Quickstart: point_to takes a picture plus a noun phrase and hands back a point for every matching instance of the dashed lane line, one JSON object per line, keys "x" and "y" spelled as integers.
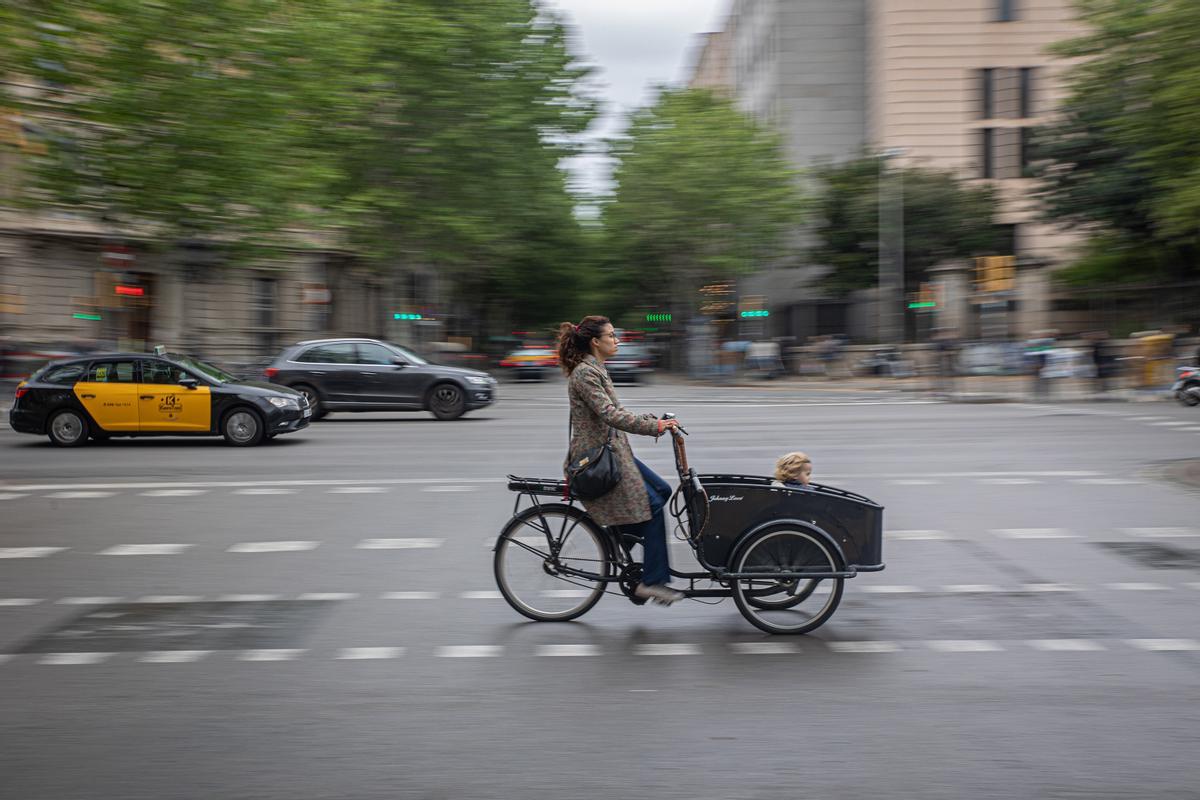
{"x": 173, "y": 493}
{"x": 248, "y": 598}
{"x": 1161, "y": 533}
{"x": 400, "y": 544}
{"x": 357, "y": 490}
{"x": 410, "y": 595}
{"x": 170, "y": 598}
{"x": 145, "y": 550}
{"x": 89, "y": 601}
{"x": 13, "y": 602}
{"x": 1137, "y": 587}
{"x": 328, "y": 596}
{"x": 272, "y": 547}
{"x": 264, "y": 490}
{"x": 760, "y": 648}
{"x": 1034, "y": 533}
{"x": 80, "y": 495}
{"x": 12, "y": 495}
{"x": 29, "y": 552}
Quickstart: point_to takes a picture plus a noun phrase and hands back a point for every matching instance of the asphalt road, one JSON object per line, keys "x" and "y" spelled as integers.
{"x": 317, "y": 618}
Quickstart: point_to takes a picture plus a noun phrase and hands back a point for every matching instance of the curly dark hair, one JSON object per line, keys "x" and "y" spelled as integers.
{"x": 575, "y": 341}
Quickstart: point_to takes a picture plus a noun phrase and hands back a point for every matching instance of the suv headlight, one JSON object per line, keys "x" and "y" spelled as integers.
{"x": 479, "y": 380}
{"x": 284, "y": 402}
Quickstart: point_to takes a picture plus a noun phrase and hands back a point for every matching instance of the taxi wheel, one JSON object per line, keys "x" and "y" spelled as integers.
{"x": 447, "y": 401}
{"x": 242, "y": 427}
{"x": 67, "y": 429}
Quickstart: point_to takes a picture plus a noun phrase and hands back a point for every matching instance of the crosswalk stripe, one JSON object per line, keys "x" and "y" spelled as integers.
{"x": 369, "y": 653}
{"x": 29, "y": 552}
{"x": 553, "y": 650}
{"x": 272, "y": 547}
{"x": 173, "y": 656}
{"x": 145, "y": 549}
{"x": 410, "y": 595}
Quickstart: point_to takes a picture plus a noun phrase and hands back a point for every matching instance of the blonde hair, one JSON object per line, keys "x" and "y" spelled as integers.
{"x": 789, "y": 467}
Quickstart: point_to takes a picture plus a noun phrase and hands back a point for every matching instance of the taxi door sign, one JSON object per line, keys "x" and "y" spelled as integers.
{"x": 166, "y": 408}
{"x": 110, "y": 397}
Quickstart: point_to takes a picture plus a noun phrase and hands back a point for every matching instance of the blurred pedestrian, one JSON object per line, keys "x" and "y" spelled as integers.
{"x": 636, "y": 503}
{"x": 1037, "y": 352}
{"x": 946, "y": 346}
{"x": 1104, "y": 361}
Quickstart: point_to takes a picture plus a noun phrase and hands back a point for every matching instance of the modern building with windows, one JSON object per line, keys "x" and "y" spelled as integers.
{"x": 958, "y": 85}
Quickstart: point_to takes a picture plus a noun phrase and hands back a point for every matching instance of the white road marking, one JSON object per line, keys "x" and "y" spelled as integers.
{"x": 971, "y": 588}
{"x": 269, "y": 655}
{"x": 470, "y": 651}
{"x": 272, "y": 547}
{"x": 963, "y": 646}
{"x": 1008, "y": 481}
{"x": 484, "y": 595}
{"x": 369, "y": 653}
{"x": 247, "y": 598}
{"x": 410, "y": 595}
{"x": 357, "y": 490}
{"x": 448, "y": 489}
{"x": 1066, "y": 645}
{"x": 263, "y": 490}
{"x": 170, "y": 598}
{"x": 1161, "y": 533}
{"x": 1137, "y": 587}
{"x": 173, "y": 492}
{"x": 399, "y": 544}
{"x": 914, "y": 482}
{"x": 1143, "y": 419}
{"x": 173, "y": 656}
{"x": 918, "y": 535}
{"x": 1034, "y": 533}
{"x": 1170, "y": 424}
{"x": 145, "y": 550}
{"x": 126, "y": 486}
{"x": 564, "y": 594}
{"x": 328, "y": 596}
{"x": 12, "y": 496}
{"x": 63, "y": 659}
{"x": 764, "y": 648}
{"x": 864, "y": 647}
{"x": 79, "y": 495}
{"x": 666, "y": 650}
{"x": 1165, "y": 644}
{"x": 1049, "y": 587}
{"x": 1195, "y": 585}
{"x": 10, "y": 602}
{"x": 885, "y": 589}
{"x": 89, "y": 601}
{"x": 552, "y": 650}
{"x": 29, "y": 552}
{"x": 1106, "y": 482}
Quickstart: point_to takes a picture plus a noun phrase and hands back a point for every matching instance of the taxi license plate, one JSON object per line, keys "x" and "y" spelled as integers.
{"x": 308, "y": 412}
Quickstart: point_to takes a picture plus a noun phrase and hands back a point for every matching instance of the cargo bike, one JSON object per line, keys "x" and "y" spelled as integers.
{"x": 782, "y": 552}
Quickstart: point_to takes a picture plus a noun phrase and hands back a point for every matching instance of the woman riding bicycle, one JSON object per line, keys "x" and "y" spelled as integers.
{"x": 636, "y": 503}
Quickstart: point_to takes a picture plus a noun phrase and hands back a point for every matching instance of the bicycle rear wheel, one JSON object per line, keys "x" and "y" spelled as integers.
{"x": 551, "y": 563}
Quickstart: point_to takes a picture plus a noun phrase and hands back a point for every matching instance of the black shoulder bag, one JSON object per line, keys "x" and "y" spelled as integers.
{"x": 596, "y": 472}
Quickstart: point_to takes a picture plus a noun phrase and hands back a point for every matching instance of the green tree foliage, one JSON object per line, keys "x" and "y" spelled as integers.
{"x": 1124, "y": 157}
{"x": 414, "y": 131}
{"x": 944, "y": 218}
{"x": 703, "y": 194}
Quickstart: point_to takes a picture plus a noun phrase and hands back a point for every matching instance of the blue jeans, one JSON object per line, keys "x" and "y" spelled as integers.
{"x": 656, "y": 565}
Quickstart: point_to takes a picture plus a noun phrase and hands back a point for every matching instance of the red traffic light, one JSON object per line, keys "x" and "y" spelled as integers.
{"x": 130, "y": 291}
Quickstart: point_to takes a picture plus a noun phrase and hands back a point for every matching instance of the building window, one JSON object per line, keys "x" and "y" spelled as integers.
{"x": 987, "y": 96}
{"x": 264, "y": 302}
{"x": 1001, "y": 152}
{"x": 1026, "y": 92}
{"x": 1006, "y": 10}
{"x": 1026, "y": 152}
{"x": 986, "y": 168}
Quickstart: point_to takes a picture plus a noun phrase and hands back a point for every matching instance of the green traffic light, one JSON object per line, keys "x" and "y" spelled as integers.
{"x": 91, "y": 317}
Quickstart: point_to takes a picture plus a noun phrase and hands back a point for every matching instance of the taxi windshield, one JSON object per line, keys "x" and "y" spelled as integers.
{"x": 204, "y": 368}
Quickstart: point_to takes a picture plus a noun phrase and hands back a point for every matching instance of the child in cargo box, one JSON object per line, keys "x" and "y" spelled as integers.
{"x": 794, "y": 469}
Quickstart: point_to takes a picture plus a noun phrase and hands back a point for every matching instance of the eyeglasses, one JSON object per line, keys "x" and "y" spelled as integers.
{"x": 612, "y": 336}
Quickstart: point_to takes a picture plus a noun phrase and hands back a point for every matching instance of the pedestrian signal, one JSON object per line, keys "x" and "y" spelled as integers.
{"x": 658, "y": 318}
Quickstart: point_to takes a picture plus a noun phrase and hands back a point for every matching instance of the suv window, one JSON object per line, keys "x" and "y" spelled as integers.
{"x": 65, "y": 375}
{"x": 375, "y": 354}
{"x": 111, "y": 372}
{"x": 328, "y": 354}
{"x": 161, "y": 372}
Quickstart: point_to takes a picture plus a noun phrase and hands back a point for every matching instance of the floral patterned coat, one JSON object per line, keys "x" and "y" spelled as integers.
{"x": 594, "y": 407}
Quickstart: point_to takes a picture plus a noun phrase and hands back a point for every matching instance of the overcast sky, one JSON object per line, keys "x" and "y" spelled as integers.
{"x": 636, "y": 44}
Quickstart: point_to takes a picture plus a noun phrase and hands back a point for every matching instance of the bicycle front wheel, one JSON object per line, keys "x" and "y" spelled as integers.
{"x": 551, "y": 563}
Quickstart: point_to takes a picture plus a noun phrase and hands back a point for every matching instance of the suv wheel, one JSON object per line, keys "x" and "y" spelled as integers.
{"x": 447, "y": 401}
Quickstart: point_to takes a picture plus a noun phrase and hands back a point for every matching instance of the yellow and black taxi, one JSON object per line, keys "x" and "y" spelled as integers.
{"x": 136, "y": 394}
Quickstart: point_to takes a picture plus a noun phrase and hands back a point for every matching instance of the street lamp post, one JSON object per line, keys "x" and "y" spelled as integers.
{"x": 891, "y": 255}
